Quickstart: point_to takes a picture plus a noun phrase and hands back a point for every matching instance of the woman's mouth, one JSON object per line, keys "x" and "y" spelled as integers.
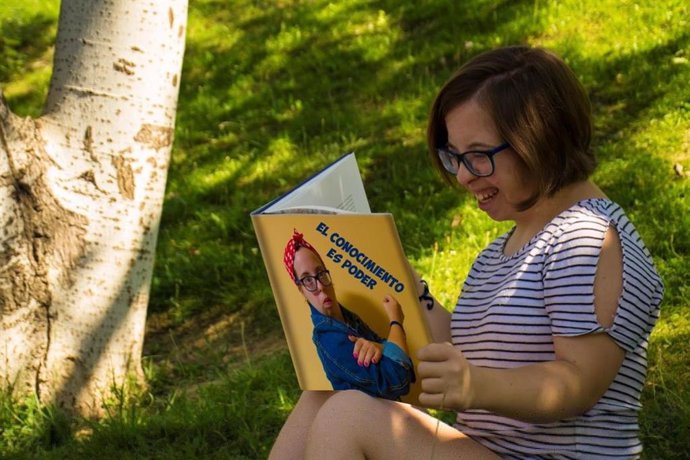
{"x": 485, "y": 196}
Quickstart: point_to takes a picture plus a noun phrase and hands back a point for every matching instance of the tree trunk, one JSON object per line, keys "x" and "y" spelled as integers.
{"x": 81, "y": 192}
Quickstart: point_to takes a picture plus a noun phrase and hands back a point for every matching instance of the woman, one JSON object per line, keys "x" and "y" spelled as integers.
{"x": 549, "y": 334}
{"x": 353, "y": 356}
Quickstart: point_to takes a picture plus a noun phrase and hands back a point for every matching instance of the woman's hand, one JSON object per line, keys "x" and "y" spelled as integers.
{"x": 393, "y": 309}
{"x": 366, "y": 351}
{"x": 446, "y": 377}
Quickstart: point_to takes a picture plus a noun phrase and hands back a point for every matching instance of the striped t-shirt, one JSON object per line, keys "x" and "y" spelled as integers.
{"x": 510, "y": 307}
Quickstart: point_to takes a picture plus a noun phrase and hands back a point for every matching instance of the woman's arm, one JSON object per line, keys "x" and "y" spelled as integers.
{"x": 543, "y": 392}
{"x": 396, "y": 331}
{"x": 389, "y": 378}
{"x": 437, "y": 316}
{"x": 584, "y": 368}
{"x": 368, "y": 351}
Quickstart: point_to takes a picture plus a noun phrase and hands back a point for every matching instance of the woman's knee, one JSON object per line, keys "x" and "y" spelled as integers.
{"x": 346, "y": 401}
{"x": 354, "y": 422}
{"x": 341, "y": 409}
{"x": 314, "y": 399}
{"x": 338, "y": 425}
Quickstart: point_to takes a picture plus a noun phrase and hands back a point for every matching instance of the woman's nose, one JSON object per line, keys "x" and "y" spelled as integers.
{"x": 463, "y": 176}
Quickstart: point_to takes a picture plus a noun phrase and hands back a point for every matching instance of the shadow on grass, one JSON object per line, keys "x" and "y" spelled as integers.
{"x": 300, "y": 105}
{"x": 236, "y": 416}
{"x": 330, "y": 89}
{"x": 320, "y": 93}
{"x": 665, "y": 420}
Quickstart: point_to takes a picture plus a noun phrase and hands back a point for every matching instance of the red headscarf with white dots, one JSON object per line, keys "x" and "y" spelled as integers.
{"x": 297, "y": 241}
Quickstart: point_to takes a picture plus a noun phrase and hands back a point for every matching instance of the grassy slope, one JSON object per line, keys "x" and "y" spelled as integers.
{"x": 273, "y": 90}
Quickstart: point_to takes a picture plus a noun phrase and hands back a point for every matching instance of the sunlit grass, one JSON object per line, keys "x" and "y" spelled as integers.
{"x": 610, "y": 28}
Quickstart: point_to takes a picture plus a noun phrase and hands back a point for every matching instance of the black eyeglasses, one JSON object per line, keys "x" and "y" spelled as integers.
{"x": 309, "y": 281}
{"x": 478, "y": 162}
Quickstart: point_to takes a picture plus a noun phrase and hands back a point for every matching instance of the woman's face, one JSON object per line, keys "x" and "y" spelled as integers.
{"x": 323, "y": 298}
{"x": 470, "y": 127}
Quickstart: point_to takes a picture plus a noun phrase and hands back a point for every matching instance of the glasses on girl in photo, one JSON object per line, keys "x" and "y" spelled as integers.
{"x": 478, "y": 162}
{"x": 309, "y": 281}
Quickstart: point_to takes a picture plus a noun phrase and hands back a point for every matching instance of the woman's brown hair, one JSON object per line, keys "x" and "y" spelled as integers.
{"x": 539, "y": 107}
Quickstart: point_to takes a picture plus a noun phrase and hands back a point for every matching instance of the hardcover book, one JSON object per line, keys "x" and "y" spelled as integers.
{"x": 361, "y": 260}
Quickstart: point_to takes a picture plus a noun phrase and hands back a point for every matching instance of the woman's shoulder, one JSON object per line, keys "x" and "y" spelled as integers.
{"x": 583, "y": 220}
{"x": 597, "y": 215}
{"x": 591, "y": 216}
{"x": 584, "y": 225}
{"x": 600, "y": 210}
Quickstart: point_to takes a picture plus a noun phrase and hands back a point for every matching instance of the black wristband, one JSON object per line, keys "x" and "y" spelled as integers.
{"x": 393, "y": 323}
{"x": 425, "y": 296}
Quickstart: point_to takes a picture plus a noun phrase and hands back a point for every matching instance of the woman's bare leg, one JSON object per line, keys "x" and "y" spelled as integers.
{"x": 352, "y": 425}
{"x": 291, "y": 440}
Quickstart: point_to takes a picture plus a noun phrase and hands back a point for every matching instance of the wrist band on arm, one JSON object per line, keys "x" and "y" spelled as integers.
{"x": 393, "y": 323}
{"x": 425, "y": 297}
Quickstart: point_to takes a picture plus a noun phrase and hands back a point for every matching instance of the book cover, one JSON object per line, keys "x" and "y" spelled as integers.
{"x": 365, "y": 261}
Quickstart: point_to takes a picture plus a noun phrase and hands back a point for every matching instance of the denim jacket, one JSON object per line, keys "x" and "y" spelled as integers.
{"x": 390, "y": 378}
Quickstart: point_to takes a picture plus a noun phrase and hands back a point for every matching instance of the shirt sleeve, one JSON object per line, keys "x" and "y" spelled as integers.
{"x": 569, "y": 271}
{"x": 569, "y": 274}
{"x": 643, "y": 289}
{"x": 390, "y": 378}
{"x": 396, "y": 354}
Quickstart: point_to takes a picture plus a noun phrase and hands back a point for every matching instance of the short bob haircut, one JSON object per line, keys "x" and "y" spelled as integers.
{"x": 539, "y": 108}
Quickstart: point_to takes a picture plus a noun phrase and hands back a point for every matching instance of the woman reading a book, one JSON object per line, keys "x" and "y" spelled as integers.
{"x": 544, "y": 354}
{"x": 352, "y": 354}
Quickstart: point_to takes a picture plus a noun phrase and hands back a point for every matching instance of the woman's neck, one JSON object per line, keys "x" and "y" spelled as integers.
{"x": 534, "y": 219}
{"x": 335, "y": 312}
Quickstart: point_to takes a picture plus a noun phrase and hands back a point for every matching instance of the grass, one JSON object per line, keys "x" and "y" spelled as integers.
{"x": 272, "y": 91}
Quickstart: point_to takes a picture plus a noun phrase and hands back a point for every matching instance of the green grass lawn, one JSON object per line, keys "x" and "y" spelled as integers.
{"x": 273, "y": 90}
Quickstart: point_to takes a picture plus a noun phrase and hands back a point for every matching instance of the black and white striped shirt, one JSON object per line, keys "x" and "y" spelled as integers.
{"x": 511, "y": 307}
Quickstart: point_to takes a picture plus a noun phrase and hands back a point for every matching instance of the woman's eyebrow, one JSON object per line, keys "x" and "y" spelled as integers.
{"x": 317, "y": 270}
{"x": 474, "y": 146}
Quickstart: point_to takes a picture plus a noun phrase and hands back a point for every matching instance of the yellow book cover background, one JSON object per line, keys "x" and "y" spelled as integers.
{"x": 366, "y": 261}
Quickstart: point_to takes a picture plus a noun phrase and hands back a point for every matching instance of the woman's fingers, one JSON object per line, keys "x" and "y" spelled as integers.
{"x": 436, "y": 352}
{"x": 365, "y": 351}
{"x": 435, "y": 400}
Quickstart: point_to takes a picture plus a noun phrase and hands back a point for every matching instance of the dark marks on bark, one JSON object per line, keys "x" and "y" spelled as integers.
{"x": 124, "y": 66}
{"x": 154, "y": 136}
{"x": 88, "y": 142}
{"x": 44, "y": 245}
{"x": 125, "y": 176}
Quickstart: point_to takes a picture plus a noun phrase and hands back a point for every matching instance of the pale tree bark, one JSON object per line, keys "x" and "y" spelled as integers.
{"x": 81, "y": 192}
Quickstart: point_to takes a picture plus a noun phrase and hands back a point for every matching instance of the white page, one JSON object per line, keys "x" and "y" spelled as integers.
{"x": 337, "y": 186}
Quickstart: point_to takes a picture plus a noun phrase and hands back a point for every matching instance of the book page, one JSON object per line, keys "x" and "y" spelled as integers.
{"x": 338, "y": 186}
{"x": 313, "y": 209}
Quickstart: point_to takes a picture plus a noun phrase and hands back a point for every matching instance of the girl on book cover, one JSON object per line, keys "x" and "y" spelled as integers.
{"x": 545, "y": 353}
{"x": 352, "y": 354}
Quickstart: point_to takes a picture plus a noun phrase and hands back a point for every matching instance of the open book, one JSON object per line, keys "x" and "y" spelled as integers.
{"x": 363, "y": 255}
